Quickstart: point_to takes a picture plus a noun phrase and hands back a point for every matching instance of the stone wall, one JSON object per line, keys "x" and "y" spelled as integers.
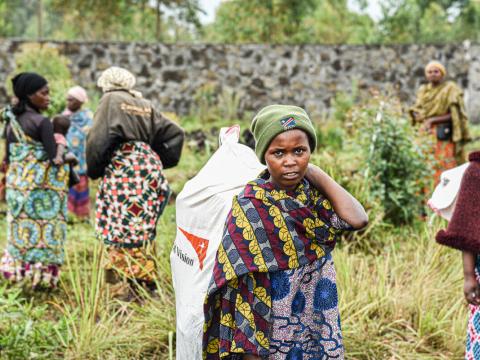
{"x": 305, "y": 75}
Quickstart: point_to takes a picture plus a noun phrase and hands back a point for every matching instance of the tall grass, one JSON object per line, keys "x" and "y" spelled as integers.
{"x": 403, "y": 303}
{"x": 400, "y": 293}
{"x": 406, "y": 302}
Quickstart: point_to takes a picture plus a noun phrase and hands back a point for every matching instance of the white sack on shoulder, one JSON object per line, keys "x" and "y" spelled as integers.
{"x": 201, "y": 208}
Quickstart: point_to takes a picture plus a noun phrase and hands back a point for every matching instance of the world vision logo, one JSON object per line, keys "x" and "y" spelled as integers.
{"x": 200, "y": 245}
{"x": 288, "y": 123}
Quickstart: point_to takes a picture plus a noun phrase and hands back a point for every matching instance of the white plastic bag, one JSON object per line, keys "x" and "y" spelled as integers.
{"x": 444, "y": 197}
{"x": 202, "y": 207}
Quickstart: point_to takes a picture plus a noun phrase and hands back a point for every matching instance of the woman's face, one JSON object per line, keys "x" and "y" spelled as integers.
{"x": 73, "y": 104}
{"x": 434, "y": 75}
{"x": 41, "y": 99}
{"x": 287, "y": 158}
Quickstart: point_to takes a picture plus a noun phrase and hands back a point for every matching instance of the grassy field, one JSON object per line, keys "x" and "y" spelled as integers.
{"x": 401, "y": 299}
{"x": 403, "y": 303}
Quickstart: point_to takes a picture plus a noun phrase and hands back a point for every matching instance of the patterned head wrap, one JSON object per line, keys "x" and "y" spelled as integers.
{"x": 117, "y": 78}
{"x": 436, "y": 64}
{"x": 78, "y": 93}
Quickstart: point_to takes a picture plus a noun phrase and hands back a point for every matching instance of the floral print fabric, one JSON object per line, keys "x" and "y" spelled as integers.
{"x": 445, "y": 155}
{"x": 78, "y": 197}
{"x": 131, "y": 198}
{"x": 305, "y": 317}
{"x": 37, "y": 207}
{"x": 472, "y": 350}
{"x": 80, "y": 124}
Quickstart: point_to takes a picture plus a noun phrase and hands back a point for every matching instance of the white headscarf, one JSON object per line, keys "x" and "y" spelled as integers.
{"x": 117, "y": 78}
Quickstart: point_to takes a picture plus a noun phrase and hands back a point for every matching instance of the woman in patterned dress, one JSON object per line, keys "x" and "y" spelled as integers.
{"x": 273, "y": 293}
{"x": 439, "y": 109}
{"x": 36, "y": 188}
{"x": 80, "y": 124}
{"x": 128, "y": 146}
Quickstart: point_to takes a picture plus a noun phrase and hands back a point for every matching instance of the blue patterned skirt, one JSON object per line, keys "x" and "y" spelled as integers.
{"x": 306, "y": 321}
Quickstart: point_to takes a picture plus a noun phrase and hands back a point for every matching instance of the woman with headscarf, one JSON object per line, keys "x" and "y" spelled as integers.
{"x": 80, "y": 124}
{"x": 129, "y": 145}
{"x": 36, "y": 189}
{"x": 273, "y": 293}
{"x": 439, "y": 109}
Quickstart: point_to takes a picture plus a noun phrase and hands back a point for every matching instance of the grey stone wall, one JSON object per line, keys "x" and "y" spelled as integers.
{"x": 305, "y": 75}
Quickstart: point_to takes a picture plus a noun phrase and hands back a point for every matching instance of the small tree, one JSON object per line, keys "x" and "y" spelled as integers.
{"x": 396, "y": 163}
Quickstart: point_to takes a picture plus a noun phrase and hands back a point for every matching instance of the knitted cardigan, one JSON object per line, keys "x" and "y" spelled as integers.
{"x": 463, "y": 231}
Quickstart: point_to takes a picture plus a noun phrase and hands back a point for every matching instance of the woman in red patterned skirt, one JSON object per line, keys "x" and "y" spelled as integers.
{"x": 129, "y": 145}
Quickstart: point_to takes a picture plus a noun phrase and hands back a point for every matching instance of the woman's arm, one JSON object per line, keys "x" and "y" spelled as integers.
{"x": 471, "y": 288}
{"x": 167, "y": 139}
{"x": 58, "y": 160}
{"x": 435, "y": 120}
{"x": 100, "y": 142}
{"x": 344, "y": 204}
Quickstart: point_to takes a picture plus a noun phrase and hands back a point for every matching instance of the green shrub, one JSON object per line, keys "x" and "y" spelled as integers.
{"x": 396, "y": 162}
{"x": 48, "y": 62}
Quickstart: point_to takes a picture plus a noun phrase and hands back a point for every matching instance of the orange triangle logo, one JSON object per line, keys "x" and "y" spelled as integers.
{"x": 199, "y": 244}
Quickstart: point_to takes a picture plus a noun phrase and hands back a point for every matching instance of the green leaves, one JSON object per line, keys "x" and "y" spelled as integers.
{"x": 245, "y": 21}
{"x": 396, "y": 162}
{"x": 140, "y": 20}
{"x": 26, "y": 330}
{"x": 333, "y": 22}
{"x": 287, "y": 21}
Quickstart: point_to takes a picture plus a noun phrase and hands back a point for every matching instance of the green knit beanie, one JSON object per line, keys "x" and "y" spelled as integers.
{"x": 275, "y": 119}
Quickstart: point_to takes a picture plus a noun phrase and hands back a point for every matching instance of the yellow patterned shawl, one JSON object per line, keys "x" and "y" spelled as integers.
{"x": 267, "y": 230}
{"x": 440, "y": 100}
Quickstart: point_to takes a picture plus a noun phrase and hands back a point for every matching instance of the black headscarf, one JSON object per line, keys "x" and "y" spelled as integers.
{"x": 24, "y": 85}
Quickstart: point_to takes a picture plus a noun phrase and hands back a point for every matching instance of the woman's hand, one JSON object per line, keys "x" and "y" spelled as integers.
{"x": 58, "y": 161}
{"x": 427, "y": 126}
{"x": 417, "y": 116}
{"x": 471, "y": 290}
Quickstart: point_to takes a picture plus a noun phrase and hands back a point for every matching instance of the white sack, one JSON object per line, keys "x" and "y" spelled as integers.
{"x": 202, "y": 207}
{"x": 445, "y": 195}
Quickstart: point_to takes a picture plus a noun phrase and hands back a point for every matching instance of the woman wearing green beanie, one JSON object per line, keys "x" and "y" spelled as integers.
{"x": 273, "y": 294}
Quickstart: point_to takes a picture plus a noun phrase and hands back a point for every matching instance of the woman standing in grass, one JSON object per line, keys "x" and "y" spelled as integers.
{"x": 439, "y": 109}
{"x": 273, "y": 293}
{"x": 36, "y": 188}
{"x": 128, "y": 146}
{"x": 81, "y": 122}
{"x": 463, "y": 233}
